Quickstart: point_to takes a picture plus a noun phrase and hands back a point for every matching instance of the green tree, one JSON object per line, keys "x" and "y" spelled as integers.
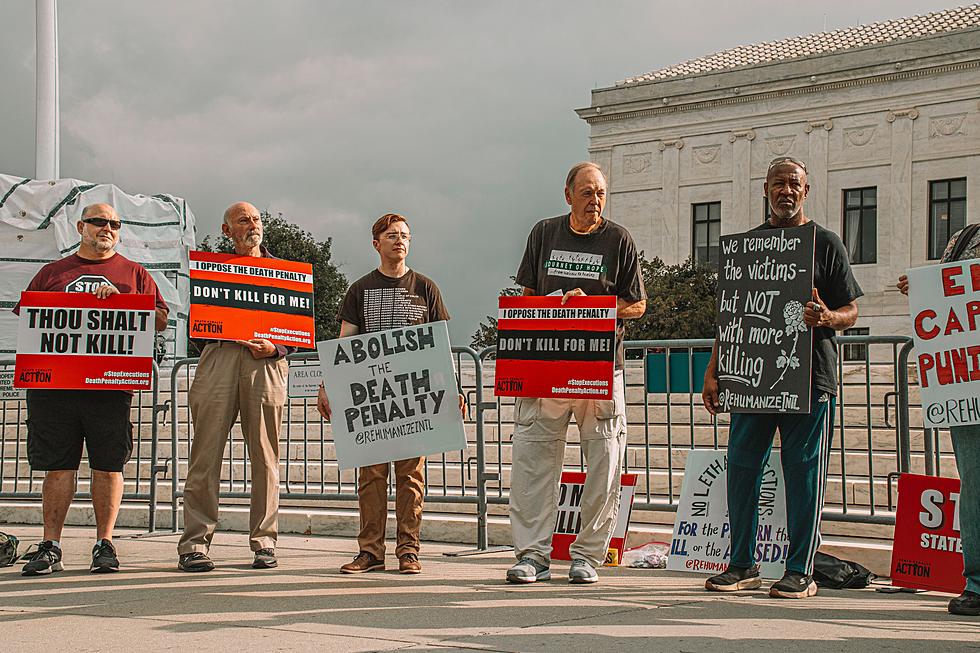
{"x": 486, "y": 334}
{"x": 288, "y": 241}
{"x": 680, "y": 301}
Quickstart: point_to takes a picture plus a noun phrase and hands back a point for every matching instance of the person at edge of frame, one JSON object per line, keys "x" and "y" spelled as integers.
{"x": 391, "y": 296}
{"x": 235, "y": 378}
{"x": 966, "y": 448}
{"x": 805, "y": 438}
{"x": 60, "y": 421}
{"x": 541, "y": 424}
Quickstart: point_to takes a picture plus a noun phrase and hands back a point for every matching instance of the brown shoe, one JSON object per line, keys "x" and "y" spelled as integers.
{"x": 409, "y": 564}
{"x": 362, "y": 562}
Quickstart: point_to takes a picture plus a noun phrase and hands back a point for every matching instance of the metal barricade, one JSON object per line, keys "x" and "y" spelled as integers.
{"x": 308, "y": 464}
{"x": 20, "y": 483}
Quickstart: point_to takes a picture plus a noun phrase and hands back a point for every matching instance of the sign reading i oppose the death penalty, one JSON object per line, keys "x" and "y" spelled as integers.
{"x": 545, "y": 349}
{"x": 765, "y": 278}
{"x": 569, "y": 521}
{"x": 244, "y": 297}
{"x": 76, "y": 341}
{"x": 393, "y": 395}
{"x": 702, "y": 534}
{"x": 927, "y": 552}
{"x": 944, "y": 302}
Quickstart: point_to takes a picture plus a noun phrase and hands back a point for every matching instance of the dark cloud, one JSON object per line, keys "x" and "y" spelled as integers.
{"x": 458, "y": 115}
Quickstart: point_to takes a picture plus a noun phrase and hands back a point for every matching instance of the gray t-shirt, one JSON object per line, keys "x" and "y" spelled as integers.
{"x": 604, "y": 262}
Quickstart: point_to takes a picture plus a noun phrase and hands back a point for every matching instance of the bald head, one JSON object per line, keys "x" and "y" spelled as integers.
{"x": 100, "y": 210}
{"x": 239, "y": 207}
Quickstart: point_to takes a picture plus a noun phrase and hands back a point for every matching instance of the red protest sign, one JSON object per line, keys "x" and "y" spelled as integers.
{"x": 244, "y": 297}
{"x": 545, "y": 349}
{"x": 569, "y": 521}
{"x": 76, "y": 341}
{"x": 927, "y": 553}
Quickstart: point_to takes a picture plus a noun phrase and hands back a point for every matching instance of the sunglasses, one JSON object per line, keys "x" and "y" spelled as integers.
{"x": 787, "y": 159}
{"x": 115, "y": 225}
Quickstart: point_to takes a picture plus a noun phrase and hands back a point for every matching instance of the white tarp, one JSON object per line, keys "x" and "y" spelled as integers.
{"x": 37, "y": 226}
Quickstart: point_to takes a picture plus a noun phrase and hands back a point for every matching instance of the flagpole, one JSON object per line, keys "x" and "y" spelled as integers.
{"x": 47, "y": 158}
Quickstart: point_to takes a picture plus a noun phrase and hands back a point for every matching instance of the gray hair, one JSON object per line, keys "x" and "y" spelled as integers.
{"x": 579, "y": 167}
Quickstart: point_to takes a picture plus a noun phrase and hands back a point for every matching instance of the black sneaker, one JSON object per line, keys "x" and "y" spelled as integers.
{"x": 265, "y": 559}
{"x": 966, "y": 604}
{"x": 43, "y": 561}
{"x": 734, "y": 579}
{"x": 104, "y": 560}
{"x": 195, "y": 561}
{"x": 793, "y": 585}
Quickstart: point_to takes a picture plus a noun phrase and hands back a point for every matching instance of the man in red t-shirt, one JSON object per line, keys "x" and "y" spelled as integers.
{"x": 60, "y": 421}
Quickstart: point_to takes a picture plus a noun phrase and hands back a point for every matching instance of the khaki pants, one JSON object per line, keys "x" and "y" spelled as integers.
{"x": 538, "y": 450}
{"x": 372, "y": 498}
{"x": 229, "y": 382}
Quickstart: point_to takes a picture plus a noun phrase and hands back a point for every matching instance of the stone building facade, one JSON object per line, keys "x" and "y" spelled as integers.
{"x": 886, "y": 116}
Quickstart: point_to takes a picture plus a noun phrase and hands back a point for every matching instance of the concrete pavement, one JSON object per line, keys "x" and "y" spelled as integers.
{"x": 457, "y": 604}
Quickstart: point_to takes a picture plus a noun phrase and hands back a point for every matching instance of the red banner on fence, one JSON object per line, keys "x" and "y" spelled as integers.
{"x": 76, "y": 341}
{"x": 545, "y": 349}
{"x": 569, "y": 522}
{"x": 927, "y": 553}
{"x": 244, "y": 297}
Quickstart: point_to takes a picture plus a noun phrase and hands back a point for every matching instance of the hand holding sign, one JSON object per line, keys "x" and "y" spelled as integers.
{"x": 816, "y": 312}
{"x": 105, "y": 290}
{"x": 574, "y": 292}
{"x": 259, "y": 347}
{"x": 709, "y": 394}
{"x": 903, "y": 284}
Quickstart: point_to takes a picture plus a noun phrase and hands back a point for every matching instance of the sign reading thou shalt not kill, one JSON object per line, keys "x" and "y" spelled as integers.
{"x": 765, "y": 278}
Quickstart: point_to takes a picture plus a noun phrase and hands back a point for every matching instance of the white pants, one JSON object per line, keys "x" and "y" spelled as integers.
{"x": 541, "y": 426}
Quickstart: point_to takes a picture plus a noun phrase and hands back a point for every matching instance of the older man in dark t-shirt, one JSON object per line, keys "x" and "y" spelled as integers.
{"x": 804, "y": 438}
{"x": 579, "y": 253}
{"x": 389, "y": 297}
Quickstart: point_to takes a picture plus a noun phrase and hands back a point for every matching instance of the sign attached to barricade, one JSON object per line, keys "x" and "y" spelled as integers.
{"x": 244, "y": 297}
{"x": 702, "y": 535}
{"x": 75, "y": 341}
{"x": 545, "y": 349}
{"x": 944, "y": 302}
{"x": 7, "y": 390}
{"x": 927, "y": 552}
{"x": 765, "y": 278}
{"x": 569, "y": 522}
{"x": 304, "y": 381}
{"x": 393, "y": 395}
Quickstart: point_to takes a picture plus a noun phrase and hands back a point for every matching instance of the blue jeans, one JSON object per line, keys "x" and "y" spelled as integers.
{"x": 966, "y": 445}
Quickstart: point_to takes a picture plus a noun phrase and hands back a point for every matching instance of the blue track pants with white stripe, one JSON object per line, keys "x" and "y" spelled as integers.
{"x": 804, "y": 453}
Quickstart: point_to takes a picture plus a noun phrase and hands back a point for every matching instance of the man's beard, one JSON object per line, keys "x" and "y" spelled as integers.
{"x": 253, "y": 239}
{"x": 99, "y": 245}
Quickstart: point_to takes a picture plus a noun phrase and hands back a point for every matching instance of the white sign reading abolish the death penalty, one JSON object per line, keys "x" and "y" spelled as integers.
{"x": 944, "y": 302}
{"x": 393, "y": 395}
{"x": 71, "y": 341}
{"x": 702, "y": 534}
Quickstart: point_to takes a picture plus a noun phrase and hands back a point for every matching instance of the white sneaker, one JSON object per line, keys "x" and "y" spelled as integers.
{"x": 528, "y": 570}
{"x": 582, "y": 572}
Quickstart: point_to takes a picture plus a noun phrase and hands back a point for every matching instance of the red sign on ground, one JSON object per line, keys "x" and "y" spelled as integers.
{"x": 244, "y": 297}
{"x": 545, "y": 349}
{"x": 569, "y": 522}
{"x": 76, "y": 341}
{"x": 927, "y": 553}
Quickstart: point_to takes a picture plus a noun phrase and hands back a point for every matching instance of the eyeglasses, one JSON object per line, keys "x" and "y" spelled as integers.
{"x": 115, "y": 225}
{"x": 394, "y": 238}
{"x": 787, "y": 159}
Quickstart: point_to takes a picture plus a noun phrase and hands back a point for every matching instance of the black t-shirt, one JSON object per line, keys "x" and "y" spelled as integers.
{"x": 833, "y": 279}
{"x": 603, "y": 262}
{"x": 376, "y": 302}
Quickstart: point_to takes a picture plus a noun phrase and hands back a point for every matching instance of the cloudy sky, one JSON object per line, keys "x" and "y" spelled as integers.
{"x": 459, "y": 115}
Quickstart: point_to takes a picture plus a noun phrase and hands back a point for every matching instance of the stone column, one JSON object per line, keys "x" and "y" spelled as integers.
{"x": 816, "y": 172}
{"x": 895, "y": 230}
{"x": 741, "y": 218}
{"x": 670, "y": 215}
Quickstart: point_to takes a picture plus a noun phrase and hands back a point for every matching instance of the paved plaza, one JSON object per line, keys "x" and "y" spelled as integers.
{"x": 457, "y": 604}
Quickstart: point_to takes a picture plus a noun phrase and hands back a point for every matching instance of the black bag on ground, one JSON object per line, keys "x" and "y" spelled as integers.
{"x": 8, "y": 550}
{"x": 836, "y": 574}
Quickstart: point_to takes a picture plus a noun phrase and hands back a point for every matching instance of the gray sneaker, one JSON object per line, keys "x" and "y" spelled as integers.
{"x": 528, "y": 570}
{"x": 582, "y": 572}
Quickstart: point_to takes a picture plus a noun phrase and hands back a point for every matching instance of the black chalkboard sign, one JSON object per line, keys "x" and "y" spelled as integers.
{"x": 765, "y": 278}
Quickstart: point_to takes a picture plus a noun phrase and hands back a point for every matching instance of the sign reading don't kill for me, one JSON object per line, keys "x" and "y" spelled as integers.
{"x": 393, "y": 395}
{"x": 765, "y": 278}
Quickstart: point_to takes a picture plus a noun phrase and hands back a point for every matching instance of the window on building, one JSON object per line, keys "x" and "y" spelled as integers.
{"x": 855, "y": 352}
{"x": 947, "y": 213}
{"x": 707, "y": 230}
{"x": 861, "y": 224}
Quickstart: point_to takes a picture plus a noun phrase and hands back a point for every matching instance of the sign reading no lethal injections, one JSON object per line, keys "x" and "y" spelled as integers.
{"x": 393, "y": 395}
{"x": 765, "y": 278}
{"x": 244, "y": 297}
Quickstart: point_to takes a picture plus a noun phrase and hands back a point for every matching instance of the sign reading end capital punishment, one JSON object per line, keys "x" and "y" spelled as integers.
{"x": 765, "y": 278}
{"x": 944, "y": 301}
{"x": 393, "y": 395}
